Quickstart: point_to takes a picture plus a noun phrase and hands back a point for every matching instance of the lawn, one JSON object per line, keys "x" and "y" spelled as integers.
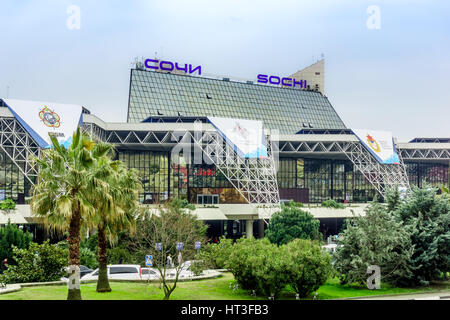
{"x": 212, "y": 289}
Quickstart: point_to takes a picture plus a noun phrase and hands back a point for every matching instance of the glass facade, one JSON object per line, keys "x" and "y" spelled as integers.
{"x": 435, "y": 175}
{"x": 154, "y": 172}
{"x": 301, "y": 179}
{"x": 323, "y": 180}
{"x": 287, "y": 110}
{"x": 13, "y": 184}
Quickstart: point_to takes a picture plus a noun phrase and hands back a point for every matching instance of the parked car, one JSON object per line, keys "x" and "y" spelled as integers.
{"x": 119, "y": 271}
{"x": 83, "y": 271}
{"x": 150, "y": 273}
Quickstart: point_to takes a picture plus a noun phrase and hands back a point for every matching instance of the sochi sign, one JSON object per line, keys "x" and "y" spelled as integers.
{"x": 170, "y": 66}
{"x": 288, "y": 82}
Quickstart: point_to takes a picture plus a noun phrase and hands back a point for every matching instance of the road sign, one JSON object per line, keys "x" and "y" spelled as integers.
{"x": 179, "y": 246}
{"x": 149, "y": 260}
{"x": 158, "y": 246}
{"x": 198, "y": 245}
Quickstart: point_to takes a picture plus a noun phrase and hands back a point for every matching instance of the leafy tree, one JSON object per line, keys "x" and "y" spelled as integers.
{"x": 114, "y": 194}
{"x": 393, "y": 199}
{"x": 60, "y": 196}
{"x": 374, "y": 239}
{"x": 168, "y": 225}
{"x": 215, "y": 255}
{"x": 292, "y": 223}
{"x": 308, "y": 266}
{"x": 427, "y": 218}
{"x": 39, "y": 263}
{"x": 10, "y": 236}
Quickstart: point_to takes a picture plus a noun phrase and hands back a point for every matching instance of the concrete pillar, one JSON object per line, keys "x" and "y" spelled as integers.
{"x": 261, "y": 228}
{"x": 249, "y": 228}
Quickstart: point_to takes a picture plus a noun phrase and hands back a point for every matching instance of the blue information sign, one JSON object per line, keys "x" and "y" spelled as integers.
{"x": 149, "y": 260}
{"x": 179, "y": 246}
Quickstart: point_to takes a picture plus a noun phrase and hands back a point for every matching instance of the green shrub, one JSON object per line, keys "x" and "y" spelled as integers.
{"x": 91, "y": 243}
{"x": 120, "y": 255}
{"x": 88, "y": 258}
{"x": 292, "y": 203}
{"x": 292, "y": 223}
{"x": 239, "y": 263}
{"x": 39, "y": 263}
{"x": 10, "y": 236}
{"x": 259, "y": 265}
{"x": 197, "y": 267}
{"x": 332, "y": 204}
{"x": 308, "y": 266}
{"x": 8, "y": 204}
{"x": 269, "y": 268}
{"x": 374, "y": 239}
{"x": 214, "y": 255}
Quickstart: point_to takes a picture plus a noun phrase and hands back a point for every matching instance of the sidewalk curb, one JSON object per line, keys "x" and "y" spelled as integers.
{"x": 394, "y": 295}
{"x": 18, "y": 286}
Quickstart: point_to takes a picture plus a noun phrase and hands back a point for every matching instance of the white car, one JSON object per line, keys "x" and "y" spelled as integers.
{"x": 150, "y": 273}
{"x": 119, "y": 272}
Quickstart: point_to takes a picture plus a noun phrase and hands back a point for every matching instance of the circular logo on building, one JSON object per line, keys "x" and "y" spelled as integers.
{"x": 373, "y": 143}
{"x": 49, "y": 117}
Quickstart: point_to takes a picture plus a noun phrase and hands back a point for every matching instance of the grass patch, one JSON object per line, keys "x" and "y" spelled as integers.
{"x": 333, "y": 290}
{"x": 209, "y": 289}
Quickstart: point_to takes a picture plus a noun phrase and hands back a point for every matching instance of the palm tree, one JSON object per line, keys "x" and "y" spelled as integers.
{"x": 60, "y": 195}
{"x": 114, "y": 194}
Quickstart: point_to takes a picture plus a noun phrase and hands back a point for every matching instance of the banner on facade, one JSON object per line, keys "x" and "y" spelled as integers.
{"x": 245, "y": 136}
{"x": 43, "y": 118}
{"x": 380, "y": 144}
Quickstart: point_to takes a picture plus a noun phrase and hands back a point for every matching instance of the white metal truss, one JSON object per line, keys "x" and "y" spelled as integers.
{"x": 255, "y": 179}
{"x": 425, "y": 154}
{"x": 150, "y": 137}
{"x": 381, "y": 176}
{"x": 19, "y": 146}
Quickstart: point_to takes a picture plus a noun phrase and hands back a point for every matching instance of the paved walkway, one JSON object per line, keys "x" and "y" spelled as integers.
{"x": 442, "y": 295}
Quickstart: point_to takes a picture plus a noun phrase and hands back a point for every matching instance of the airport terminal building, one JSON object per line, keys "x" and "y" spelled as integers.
{"x": 312, "y": 155}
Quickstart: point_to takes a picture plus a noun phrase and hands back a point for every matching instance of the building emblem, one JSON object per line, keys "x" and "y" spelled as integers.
{"x": 49, "y": 117}
{"x": 373, "y": 143}
{"x": 241, "y": 131}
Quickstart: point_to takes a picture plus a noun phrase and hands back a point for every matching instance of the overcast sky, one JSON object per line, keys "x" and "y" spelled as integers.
{"x": 393, "y": 78}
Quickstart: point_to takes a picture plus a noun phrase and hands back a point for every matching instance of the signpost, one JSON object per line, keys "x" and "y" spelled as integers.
{"x": 149, "y": 260}
{"x": 179, "y": 246}
{"x": 198, "y": 245}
